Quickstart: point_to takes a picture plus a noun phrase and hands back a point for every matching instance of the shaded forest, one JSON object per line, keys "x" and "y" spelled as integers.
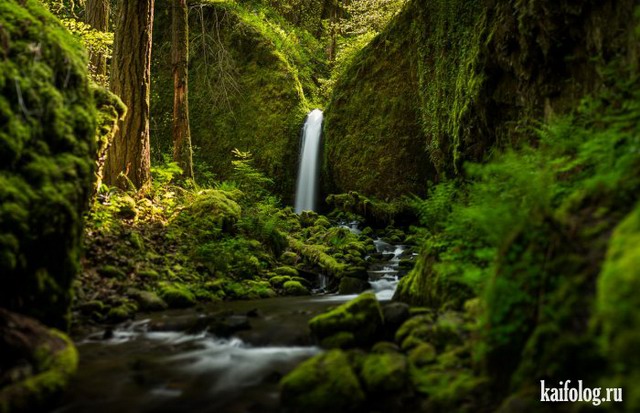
{"x": 319, "y": 205}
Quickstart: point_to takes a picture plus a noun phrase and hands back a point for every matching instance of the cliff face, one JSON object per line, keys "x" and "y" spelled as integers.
{"x": 486, "y": 72}
{"x": 245, "y": 90}
{"x": 47, "y": 155}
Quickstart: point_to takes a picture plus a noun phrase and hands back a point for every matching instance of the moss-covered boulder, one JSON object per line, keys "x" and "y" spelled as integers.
{"x": 244, "y": 89}
{"x": 176, "y": 295}
{"x": 384, "y": 373}
{"x": 618, "y": 308}
{"x": 361, "y": 317}
{"x": 294, "y": 288}
{"x": 47, "y": 153}
{"x": 37, "y": 363}
{"x": 321, "y": 384}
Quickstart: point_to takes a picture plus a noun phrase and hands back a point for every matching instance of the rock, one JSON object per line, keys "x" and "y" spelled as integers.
{"x": 147, "y": 300}
{"x": 358, "y": 272}
{"x": 286, "y": 271}
{"x": 343, "y": 340}
{"x": 349, "y": 285}
{"x": 308, "y": 219}
{"x": 48, "y": 122}
{"x": 294, "y": 288}
{"x": 127, "y": 208}
{"x": 122, "y": 312}
{"x": 227, "y": 326}
{"x": 111, "y": 271}
{"x": 423, "y": 354}
{"x": 176, "y": 295}
{"x": 383, "y": 347}
{"x": 30, "y": 347}
{"x": 394, "y": 315}
{"x": 361, "y": 316}
{"x": 279, "y": 280}
{"x": 324, "y": 383}
{"x": 384, "y": 373}
{"x": 289, "y": 258}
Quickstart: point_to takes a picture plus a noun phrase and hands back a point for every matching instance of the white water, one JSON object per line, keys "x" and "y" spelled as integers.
{"x": 308, "y": 171}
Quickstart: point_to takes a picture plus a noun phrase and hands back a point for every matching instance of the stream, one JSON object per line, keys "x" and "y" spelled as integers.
{"x": 171, "y": 362}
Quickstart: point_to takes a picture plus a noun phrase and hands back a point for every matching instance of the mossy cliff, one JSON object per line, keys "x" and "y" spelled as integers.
{"x": 47, "y": 152}
{"x": 245, "y": 89}
{"x": 448, "y": 81}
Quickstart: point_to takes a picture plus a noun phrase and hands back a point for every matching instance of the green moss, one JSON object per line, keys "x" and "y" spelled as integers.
{"x": 111, "y": 271}
{"x": 176, "y": 295}
{"x": 54, "y": 368}
{"x": 279, "y": 280}
{"x": 286, "y": 271}
{"x": 47, "y": 152}
{"x": 323, "y": 383}
{"x": 294, "y": 288}
{"x": 361, "y": 316}
{"x": 617, "y": 307}
{"x": 384, "y": 373}
{"x": 341, "y": 340}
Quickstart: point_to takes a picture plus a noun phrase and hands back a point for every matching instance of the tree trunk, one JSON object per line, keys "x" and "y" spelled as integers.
{"x": 182, "y": 152}
{"x": 129, "y": 153}
{"x": 97, "y": 14}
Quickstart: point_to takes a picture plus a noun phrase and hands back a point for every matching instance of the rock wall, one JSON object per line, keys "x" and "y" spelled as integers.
{"x": 448, "y": 81}
{"x": 47, "y": 160}
{"x": 243, "y": 93}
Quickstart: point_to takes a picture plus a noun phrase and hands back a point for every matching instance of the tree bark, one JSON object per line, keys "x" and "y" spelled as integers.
{"x": 129, "y": 153}
{"x": 182, "y": 151}
{"x": 97, "y": 15}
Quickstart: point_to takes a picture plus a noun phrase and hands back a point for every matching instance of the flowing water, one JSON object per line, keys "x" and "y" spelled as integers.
{"x": 165, "y": 363}
{"x": 307, "y": 185}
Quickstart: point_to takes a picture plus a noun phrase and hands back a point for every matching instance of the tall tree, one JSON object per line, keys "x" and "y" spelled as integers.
{"x": 97, "y": 16}
{"x": 129, "y": 153}
{"x": 182, "y": 152}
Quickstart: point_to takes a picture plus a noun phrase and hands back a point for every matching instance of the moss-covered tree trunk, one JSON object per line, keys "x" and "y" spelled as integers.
{"x": 98, "y": 17}
{"x": 129, "y": 153}
{"x": 182, "y": 152}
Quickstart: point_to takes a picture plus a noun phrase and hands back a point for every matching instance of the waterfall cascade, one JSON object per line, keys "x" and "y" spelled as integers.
{"x": 306, "y": 189}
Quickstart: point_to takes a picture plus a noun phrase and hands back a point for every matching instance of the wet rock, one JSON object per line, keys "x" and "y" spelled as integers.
{"x": 324, "y": 383}
{"x": 349, "y": 285}
{"x": 361, "y": 316}
{"x": 394, "y": 315}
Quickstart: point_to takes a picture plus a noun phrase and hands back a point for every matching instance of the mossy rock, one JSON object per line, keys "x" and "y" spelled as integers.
{"x": 286, "y": 271}
{"x": 422, "y": 355}
{"x": 47, "y": 159}
{"x": 147, "y": 300}
{"x": 50, "y": 355}
{"x": 289, "y": 258}
{"x": 349, "y": 285}
{"x": 341, "y": 340}
{"x": 176, "y": 295}
{"x": 361, "y": 316}
{"x": 121, "y": 312}
{"x": 384, "y": 373}
{"x": 294, "y": 288}
{"x": 111, "y": 271}
{"x": 279, "y": 280}
{"x": 323, "y": 383}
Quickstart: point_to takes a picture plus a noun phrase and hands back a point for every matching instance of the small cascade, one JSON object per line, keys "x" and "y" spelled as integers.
{"x": 383, "y": 277}
{"x": 307, "y": 185}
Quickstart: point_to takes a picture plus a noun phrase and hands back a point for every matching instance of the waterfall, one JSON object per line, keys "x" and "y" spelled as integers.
{"x": 308, "y": 170}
